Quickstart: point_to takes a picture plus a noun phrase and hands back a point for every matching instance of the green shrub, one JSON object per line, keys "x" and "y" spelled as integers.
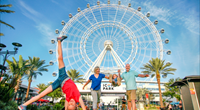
{"x": 8, "y": 106}
{"x": 57, "y": 106}
{"x": 32, "y": 107}
{"x": 62, "y": 102}
{"x": 45, "y": 108}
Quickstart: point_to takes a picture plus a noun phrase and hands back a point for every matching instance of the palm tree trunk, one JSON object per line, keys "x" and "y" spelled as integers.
{"x": 17, "y": 86}
{"x": 29, "y": 85}
{"x": 158, "y": 80}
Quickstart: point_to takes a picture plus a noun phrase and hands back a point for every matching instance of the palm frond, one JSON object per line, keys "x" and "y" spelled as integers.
{"x": 6, "y": 24}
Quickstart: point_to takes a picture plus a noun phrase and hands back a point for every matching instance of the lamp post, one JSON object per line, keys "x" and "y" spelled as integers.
{"x": 6, "y": 53}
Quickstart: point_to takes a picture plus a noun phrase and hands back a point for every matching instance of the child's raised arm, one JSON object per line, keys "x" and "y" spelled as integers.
{"x": 82, "y": 103}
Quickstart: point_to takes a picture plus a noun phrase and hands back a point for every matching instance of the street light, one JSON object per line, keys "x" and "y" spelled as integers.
{"x": 7, "y": 52}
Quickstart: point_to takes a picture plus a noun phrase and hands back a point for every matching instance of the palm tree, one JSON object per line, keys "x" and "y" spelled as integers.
{"x": 35, "y": 68}
{"x": 6, "y": 11}
{"x": 74, "y": 75}
{"x": 42, "y": 87}
{"x": 141, "y": 93}
{"x": 156, "y": 67}
{"x": 172, "y": 91}
{"x": 18, "y": 70}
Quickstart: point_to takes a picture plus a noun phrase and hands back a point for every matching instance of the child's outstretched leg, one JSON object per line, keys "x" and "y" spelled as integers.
{"x": 42, "y": 94}
{"x": 118, "y": 81}
{"x": 60, "y": 55}
{"x": 110, "y": 78}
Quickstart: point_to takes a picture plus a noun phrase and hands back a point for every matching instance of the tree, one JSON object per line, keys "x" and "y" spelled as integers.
{"x": 6, "y": 11}
{"x": 172, "y": 91}
{"x": 35, "y": 68}
{"x": 140, "y": 92}
{"x": 18, "y": 69}
{"x": 74, "y": 75}
{"x": 156, "y": 67}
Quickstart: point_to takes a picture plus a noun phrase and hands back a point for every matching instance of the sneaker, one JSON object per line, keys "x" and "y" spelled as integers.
{"x": 110, "y": 78}
{"x": 22, "y": 107}
{"x": 61, "y": 38}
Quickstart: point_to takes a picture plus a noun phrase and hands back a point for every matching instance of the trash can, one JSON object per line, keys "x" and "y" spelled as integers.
{"x": 190, "y": 92}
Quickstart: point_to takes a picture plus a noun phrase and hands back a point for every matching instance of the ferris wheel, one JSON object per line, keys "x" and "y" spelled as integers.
{"x": 109, "y": 36}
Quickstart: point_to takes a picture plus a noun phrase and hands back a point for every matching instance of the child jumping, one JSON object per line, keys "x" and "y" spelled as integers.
{"x": 114, "y": 80}
{"x": 68, "y": 86}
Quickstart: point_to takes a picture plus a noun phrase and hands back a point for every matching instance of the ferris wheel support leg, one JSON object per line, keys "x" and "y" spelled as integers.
{"x": 101, "y": 56}
{"x": 117, "y": 59}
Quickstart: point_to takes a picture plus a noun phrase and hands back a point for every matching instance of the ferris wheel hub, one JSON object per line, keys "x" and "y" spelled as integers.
{"x": 107, "y": 44}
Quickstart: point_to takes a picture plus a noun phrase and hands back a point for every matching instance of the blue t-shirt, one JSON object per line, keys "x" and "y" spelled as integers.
{"x": 129, "y": 78}
{"x": 96, "y": 82}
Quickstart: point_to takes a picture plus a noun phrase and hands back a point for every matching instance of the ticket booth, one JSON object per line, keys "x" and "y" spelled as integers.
{"x": 190, "y": 92}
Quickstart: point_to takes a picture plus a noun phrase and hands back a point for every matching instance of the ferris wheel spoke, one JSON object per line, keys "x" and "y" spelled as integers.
{"x": 96, "y": 22}
{"x": 103, "y": 22}
{"x": 136, "y": 23}
{"x": 123, "y": 16}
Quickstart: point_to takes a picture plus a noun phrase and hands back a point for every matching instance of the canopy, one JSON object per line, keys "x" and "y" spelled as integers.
{"x": 174, "y": 103}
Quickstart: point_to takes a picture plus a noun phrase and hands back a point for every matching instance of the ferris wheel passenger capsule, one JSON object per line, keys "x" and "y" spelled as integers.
{"x": 119, "y": 2}
{"x": 54, "y": 74}
{"x": 129, "y": 5}
{"x": 57, "y": 31}
{"x": 98, "y": 2}
{"x": 70, "y": 15}
{"x": 166, "y": 41}
{"x": 51, "y": 63}
{"x": 148, "y": 14}
{"x": 139, "y": 9}
{"x": 53, "y": 41}
{"x": 169, "y": 52}
{"x": 88, "y": 5}
{"x": 78, "y": 9}
{"x": 63, "y": 22}
{"x": 156, "y": 22}
{"x": 162, "y": 31}
{"x": 50, "y": 52}
{"x": 108, "y": 1}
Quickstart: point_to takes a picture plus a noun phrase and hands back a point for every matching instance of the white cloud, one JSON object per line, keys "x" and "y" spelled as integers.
{"x": 38, "y": 19}
{"x": 191, "y": 21}
{"x": 160, "y": 13}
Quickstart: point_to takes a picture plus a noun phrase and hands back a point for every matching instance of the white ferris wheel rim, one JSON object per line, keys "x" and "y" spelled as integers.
{"x": 101, "y": 25}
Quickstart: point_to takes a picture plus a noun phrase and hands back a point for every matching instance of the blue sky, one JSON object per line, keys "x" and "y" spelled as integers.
{"x": 35, "y": 22}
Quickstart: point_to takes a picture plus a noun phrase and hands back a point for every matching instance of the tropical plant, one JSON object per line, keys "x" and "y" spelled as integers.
{"x": 36, "y": 67}
{"x": 6, "y": 91}
{"x": 56, "y": 93}
{"x": 172, "y": 91}
{"x": 156, "y": 67}
{"x": 18, "y": 69}
{"x": 74, "y": 75}
{"x": 5, "y": 11}
{"x": 141, "y": 92}
{"x": 42, "y": 87}
{"x": 11, "y": 105}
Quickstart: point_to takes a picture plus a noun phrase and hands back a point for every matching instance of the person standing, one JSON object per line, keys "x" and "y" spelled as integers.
{"x": 96, "y": 79}
{"x": 130, "y": 81}
{"x": 180, "y": 106}
{"x": 123, "y": 104}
